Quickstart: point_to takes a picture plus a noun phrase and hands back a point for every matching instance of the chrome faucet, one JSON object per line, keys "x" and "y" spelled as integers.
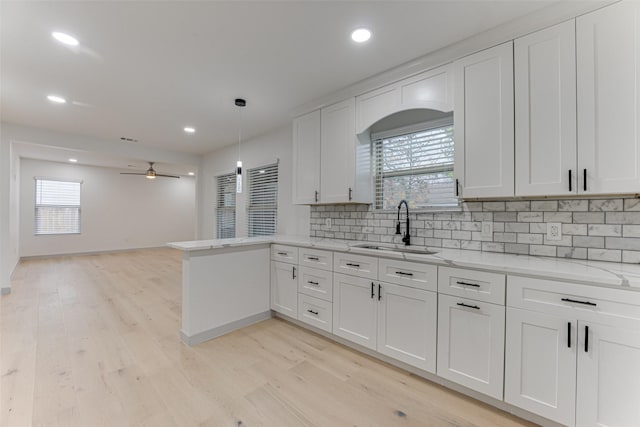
{"x": 406, "y": 239}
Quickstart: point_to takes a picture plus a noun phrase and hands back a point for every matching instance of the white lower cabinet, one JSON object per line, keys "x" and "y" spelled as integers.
{"x": 540, "y": 365}
{"x": 355, "y": 309}
{"x": 397, "y": 321}
{"x": 284, "y": 288}
{"x": 315, "y": 312}
{"x": 573, "y": 352}
{"x": 407, "y": 325}
{"x": 471, "y": 344}
{"x": 608, "y": 392}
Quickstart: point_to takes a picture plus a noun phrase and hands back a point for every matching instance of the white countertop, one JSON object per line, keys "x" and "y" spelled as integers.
{"x": 609, "y": 274}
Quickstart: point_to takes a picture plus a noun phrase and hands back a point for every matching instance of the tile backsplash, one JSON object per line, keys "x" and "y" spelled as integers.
{"x": 595, "y": 229}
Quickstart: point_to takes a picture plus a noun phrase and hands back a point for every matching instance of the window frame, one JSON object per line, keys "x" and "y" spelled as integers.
{"x": 378, "y": 178}
{"x": 37, "y": 206}
{"x": 220, "y": 209}
{"x": 274, "y": 207}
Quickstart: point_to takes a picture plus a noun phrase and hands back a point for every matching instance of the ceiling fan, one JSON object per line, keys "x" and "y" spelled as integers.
{"x": 150, "y": 173}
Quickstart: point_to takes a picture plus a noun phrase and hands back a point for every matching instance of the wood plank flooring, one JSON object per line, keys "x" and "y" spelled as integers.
{"x": 93, "y": 341}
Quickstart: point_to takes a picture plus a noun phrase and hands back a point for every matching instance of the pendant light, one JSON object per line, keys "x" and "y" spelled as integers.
{"x": 239, "y": 103}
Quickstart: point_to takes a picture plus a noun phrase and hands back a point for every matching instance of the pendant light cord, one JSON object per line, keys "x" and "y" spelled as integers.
{"x": 239, "y": 132}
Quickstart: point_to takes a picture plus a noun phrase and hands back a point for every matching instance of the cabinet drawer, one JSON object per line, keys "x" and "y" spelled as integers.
{"x": 356, "y": 265}
{"x": 284, "y": 253}
{"x": 316, "y": 283}
{"x": 315, "y": 312}
{"x": 572, "y": 300}
{"x": 416, "y": 275}
{"x": 316, "y": 258}
{"x": 472, "y": 284}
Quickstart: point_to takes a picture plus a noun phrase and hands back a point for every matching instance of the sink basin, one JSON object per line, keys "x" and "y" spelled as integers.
{"x": 404, "y": 249}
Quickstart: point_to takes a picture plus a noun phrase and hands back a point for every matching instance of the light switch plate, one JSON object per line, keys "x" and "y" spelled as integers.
{"x": 487, "y": 230}
{"x": 554, "y": 231}
{"x": 327, "y": 222}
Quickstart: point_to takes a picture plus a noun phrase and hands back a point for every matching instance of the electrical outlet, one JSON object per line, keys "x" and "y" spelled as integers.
{"x": 487, "y": 230}
{"x": 327, "y": 222}
{"x": 554, "y": 231}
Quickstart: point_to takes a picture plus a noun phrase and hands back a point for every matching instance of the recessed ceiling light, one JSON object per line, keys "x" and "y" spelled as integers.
{"x": 65, "y": 38}
{"x": 191, "y": 174}
{"x": 73, "y": 160}
{"x": 189, "y": 130}
{"x": 56, "y": 99}
{"x": 361, "y": 35}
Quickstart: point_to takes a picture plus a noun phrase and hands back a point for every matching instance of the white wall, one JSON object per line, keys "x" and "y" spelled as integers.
{"x": 117, "y": 211}
{"x": 5, "y": 174}
{"x": 14, "y": 211}
{"x": 260, "y": 151}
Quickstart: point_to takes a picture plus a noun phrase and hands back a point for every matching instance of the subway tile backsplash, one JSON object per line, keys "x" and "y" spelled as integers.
{"x": 596, "y": 229}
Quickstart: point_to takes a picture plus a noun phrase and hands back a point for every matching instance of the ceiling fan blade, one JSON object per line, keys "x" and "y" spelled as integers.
{"x": 167, "y": 176}
{"x": 132, "y": 173}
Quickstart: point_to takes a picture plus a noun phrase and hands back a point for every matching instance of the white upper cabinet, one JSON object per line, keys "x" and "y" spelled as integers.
{"x": 608, "y": 63}
{"x": 345, "y": 173}
{"x": 432, "y": 89}
{"x": 483, "y": 119}
{"x": 545, "y": 111}
{"x": 306, "y": 159}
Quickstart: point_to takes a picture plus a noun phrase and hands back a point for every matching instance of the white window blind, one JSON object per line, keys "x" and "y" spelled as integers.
{"x": 417, "y": 167}
{"x": 263, "y": 200}
{"x": 57, "y": 207}
{"x": 226, "y": 206}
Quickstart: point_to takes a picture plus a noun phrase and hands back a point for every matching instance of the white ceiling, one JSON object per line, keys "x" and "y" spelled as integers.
{"x": 89, "y": 158}
{"x": 147, "y": 69}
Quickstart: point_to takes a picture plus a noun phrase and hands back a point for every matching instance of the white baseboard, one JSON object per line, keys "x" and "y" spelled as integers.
{"x": 209, "y": 334}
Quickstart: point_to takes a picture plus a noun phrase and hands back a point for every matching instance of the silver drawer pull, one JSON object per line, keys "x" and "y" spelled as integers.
{"x": 402, "y": 273}
{"x": 313, "y": 258}
{"x": 312, "y": 312}
{"x": 283, "y": 253}
{"x": 475, "y": 285}
{"x": 353, "y": 265}
{"x": 311, "y": 282}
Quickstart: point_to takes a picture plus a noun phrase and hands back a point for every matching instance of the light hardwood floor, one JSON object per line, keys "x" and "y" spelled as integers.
{"x": 93, "y": 341}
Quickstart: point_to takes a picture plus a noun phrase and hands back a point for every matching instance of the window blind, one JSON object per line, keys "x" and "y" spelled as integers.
{"x": 226, "y": 206}
{"x": 417, "y": 167}
{"x": 57, "y": 207}
{"x": 263, "y": 200}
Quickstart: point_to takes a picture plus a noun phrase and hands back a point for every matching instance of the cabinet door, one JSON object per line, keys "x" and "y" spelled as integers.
{"x": 338, "y": 152}
{"x": 545, "y": 100}
{"x": 306, "y": 159}
{"x": 407, "y": 324}
{"x": 471, "y": 344}
{"x": 483, "y": 120}
{"x": 284, "y": 288}
{"x": 540, "y": 364}
{"x": 608, "y": 63}
{"x": 608, "y": 376}
{"x": 354, "y": 309}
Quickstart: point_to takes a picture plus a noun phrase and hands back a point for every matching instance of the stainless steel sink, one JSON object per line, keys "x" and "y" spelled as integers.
{"x": 404, "y": 249}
